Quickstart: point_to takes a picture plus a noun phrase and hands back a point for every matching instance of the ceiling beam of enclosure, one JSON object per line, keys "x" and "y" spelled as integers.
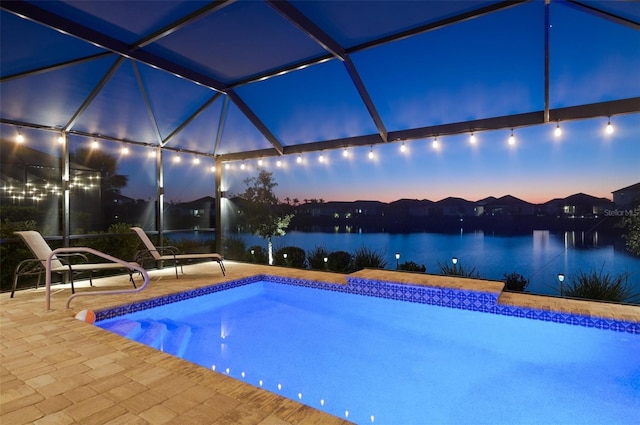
{"x": 593, "y": 110}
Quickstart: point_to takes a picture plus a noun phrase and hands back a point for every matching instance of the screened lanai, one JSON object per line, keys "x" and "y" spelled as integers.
{"x": 166, "y": 96}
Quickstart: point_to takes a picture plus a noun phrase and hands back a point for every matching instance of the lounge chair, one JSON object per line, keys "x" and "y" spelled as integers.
{"x": 60, "y": 263}
{"x": 170, "y": 253}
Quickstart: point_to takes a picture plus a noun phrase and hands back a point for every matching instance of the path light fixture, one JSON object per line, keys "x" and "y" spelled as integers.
{"x": 560, "y": 279}
{"x": 397, "y": 260}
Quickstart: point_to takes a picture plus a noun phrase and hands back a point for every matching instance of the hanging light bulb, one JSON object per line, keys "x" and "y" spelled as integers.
{"x": 403, "y": 148}
{"x": 321, "y": 157}
{"x": 299, "y": 159}
{"x": 176, "y": 159}
{"x": 609, "y": 129}
{"x": 345, "y": 153}
{"x": 19, "y": 137}
{"x": 512, "y": 138}
{"x": 260, "y": 162}
{"x": 242, "y": 166}
{"x": 227, "y": 166}
{"x": 371, "y": 153}
{"x": 472, "y": 139}
{"x": 125, "y": 151}
{"x": 196, "y": 161}
{"x": 435, "y": 143}
{"x": 95, "y": 144}
{"x": 61, "y": 138}
{"x": 558, "y": 131}
{"x": 278, "y": 163}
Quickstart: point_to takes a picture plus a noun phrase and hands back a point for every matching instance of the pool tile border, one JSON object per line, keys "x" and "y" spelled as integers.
{"x": 464, "y": 299}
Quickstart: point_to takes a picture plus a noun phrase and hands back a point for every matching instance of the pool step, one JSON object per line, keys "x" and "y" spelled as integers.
{"x": 153, "y": 333}
{"x": 177, "y": 337}
{"x": 125, "y": 327}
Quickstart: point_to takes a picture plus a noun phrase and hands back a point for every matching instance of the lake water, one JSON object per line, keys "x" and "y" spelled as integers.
{"x": 539, "y": 256}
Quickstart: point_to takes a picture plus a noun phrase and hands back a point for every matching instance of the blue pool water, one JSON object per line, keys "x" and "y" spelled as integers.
{"x": 384, "y": 361}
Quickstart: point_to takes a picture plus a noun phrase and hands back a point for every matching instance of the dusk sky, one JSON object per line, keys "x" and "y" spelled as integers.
{"x": 480, "y": 68}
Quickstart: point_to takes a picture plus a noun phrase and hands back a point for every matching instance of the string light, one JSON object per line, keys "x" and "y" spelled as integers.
{"x": 321, "y": 157}
{"x": 227, "y": 166}
{"x": 61, "y": 138}
{"x": 260, "y": 162}
{"x": 472, "y": 139}
{"x": 371, "y": 153}
{"x": 124, "y": 151}
{"x": 176, "y": 159}
{"x": 242, "y": 166}
{"x": 403, "y": 148}
{"x": 95, "y": 144}
{"x": 278, "y": 163}
{"x": 512, "y": 138}
{"x": 558, "y": 131}
{"x": 196, "y": 161}
{"x": 19, "y": 137}
{"x": 345, "y": 153}
{"x": 299, "y": 159}
{"x": 435, "y": 143}
{"x": 609, "y": 128}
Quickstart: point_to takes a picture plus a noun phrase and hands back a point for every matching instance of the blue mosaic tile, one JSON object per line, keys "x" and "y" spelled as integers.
{"x": 453, "y": 298}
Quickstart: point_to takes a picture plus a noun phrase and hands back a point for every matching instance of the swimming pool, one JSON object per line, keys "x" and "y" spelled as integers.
{"x": 382, "y": 359}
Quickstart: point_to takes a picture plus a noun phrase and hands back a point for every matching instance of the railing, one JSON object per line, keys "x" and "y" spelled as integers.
{"x": 126, "y": 264}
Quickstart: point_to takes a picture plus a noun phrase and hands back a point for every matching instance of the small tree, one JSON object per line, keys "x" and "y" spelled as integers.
{"x": 263, "y": 214}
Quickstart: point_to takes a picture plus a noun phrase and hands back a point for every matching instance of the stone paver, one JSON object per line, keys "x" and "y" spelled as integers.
{"x": 58, "y": 370}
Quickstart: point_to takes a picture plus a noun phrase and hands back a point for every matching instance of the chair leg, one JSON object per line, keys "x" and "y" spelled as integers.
{"x": 133, "y": 282}
{"x": 15, "y": 283}
{"x": 224, "y": 272}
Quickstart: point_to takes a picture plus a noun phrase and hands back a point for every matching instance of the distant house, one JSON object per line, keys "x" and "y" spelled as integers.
{"x": 627, "y": 197}
{"x": 454, "y": 207}
{"x": 410, "y": 208}
{"x": 582, "y": 205}
{"x": 509, "y": 205}
{"x": 481, "y": 205}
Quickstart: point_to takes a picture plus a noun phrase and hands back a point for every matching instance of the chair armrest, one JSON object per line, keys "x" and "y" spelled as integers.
{"x": 65, "y": 258}
{"x": 29, "y": 266}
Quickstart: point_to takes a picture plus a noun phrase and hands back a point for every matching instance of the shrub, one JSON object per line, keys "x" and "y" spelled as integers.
{"x": 515, "y": 282}
{"x": 296, "y": 257}
{"x": 316, "y": 258}
{"x": 259, "y": 256}
{"x": 368, "y": 258}
{"x": 457, "y": 270}
{"x": 600, "y": 286}
{"x": 339, "y": 261}
{"x": 234, "y": 248}
{"x": 411, "y": 266}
